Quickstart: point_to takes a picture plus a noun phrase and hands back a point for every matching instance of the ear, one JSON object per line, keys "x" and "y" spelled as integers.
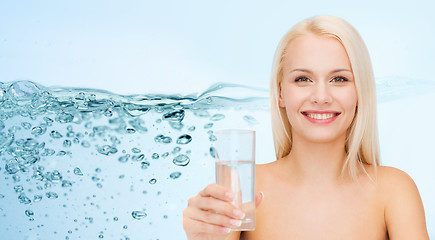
{"x": 281, "y": 99}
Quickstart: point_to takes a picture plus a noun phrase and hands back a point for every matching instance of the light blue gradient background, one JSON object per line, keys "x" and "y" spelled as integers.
{"x": 182, "y": 47}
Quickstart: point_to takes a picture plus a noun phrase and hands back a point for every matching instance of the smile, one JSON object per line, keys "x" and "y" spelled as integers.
{"x": 321, "y": 117}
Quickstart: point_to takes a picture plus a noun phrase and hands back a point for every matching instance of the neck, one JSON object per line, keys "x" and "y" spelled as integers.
{"x": 316, "y": 164}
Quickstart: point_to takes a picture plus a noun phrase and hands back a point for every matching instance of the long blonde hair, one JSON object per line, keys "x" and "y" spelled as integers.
{"x": 362, "y": 145}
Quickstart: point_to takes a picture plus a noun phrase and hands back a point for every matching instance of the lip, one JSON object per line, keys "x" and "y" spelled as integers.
{"x": 321, "y": 121}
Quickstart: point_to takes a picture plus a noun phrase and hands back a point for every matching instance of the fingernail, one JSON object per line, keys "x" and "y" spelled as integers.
{"x": 226, "y": 230}
{"x": 239, "y": 214}
{"x": 229, "y": 195}
{"x": 236, "y": 223}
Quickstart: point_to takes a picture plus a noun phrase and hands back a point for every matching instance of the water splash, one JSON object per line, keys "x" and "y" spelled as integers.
{"x": 80, "y": 151}
{"x": 395, "y": 87}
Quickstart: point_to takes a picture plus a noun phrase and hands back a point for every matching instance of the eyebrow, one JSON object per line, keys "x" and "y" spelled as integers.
{"x": 308, "y": 71}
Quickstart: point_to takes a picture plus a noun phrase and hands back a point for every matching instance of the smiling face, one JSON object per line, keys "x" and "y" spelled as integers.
{"x": 318, "y": 89}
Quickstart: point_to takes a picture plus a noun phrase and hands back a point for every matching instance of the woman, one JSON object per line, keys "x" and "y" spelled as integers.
{"x": 327, "y": 182}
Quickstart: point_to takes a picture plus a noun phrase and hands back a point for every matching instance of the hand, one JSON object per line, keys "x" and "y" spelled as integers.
{"x": 210, "y": 214}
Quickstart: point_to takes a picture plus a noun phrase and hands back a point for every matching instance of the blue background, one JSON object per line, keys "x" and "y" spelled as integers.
{"x": 182, "y": 47}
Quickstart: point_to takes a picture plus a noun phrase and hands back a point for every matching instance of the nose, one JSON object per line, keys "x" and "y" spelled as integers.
{"x": 321, "y": 94}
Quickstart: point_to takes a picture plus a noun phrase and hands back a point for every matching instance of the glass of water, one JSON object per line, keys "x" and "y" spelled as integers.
{"x": 235, "y": 170}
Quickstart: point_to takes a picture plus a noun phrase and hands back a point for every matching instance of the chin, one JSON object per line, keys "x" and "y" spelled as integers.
{"x": 325, "y": 138}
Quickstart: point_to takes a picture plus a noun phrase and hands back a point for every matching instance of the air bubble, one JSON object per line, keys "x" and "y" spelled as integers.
{"x": 25, "y": 125}
{"x": 138, "y": 157}
{"x": 12, "y": 166}
{"x": 18, "y": 188}
{"x": 55, "y": 134}
{"x": 145, "y": 165}
{"x": 29, "y": 213}
{"x": 37, "y": 198}
{"x": 67, "y": 143}
{"x": 51, "y": 195}
{"x": 181, "y": 160}
{"x": 175, "y": 116}
{"x": 213, "y": 152}
{"x": 131, "y": 130}
{"x": 212, "y": 138}
{"x": 162, "y": 139}
{"x": 176, "y": 150}
{"x": 107, "y": 150}
{"x": 175, "y": 175}
{"x": 135, "y": 150}
{"x": 184, "y": 139}
{"x": 217, "y": 117}
{"x": 64, "y": 117}
{"x": 200, "y": 113}
{"x": 16, "y": 178}
{"x": 48, "y": 121}
{"x": 66, "y": 183}
{"x": 84, "y": 144}
{"x": 24, "y": 199}
{"x": 78, "y": 172}
{"x": 124, "y": 158}
{"x": 39, "y": 130}
{"x": 137, "y": 215}
{"x": 251, "y": 120}
{"x": 55, "y": 176}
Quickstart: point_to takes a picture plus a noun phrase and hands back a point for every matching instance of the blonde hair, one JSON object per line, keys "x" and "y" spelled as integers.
{"x": 362, "y": 146}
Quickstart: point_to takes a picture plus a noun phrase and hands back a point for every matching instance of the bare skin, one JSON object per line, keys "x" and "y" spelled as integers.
{"x": 306, "y": 195}
{"x": 346, "y": 210}
{"x": 325, "y": 211}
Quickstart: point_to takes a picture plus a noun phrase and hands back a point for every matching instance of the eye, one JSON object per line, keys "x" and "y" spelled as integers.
{"x": 302, "y": 79}
{"x": 339, "y": 79}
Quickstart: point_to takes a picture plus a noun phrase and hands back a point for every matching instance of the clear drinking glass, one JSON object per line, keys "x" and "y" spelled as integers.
{"x": 235, "y": 170}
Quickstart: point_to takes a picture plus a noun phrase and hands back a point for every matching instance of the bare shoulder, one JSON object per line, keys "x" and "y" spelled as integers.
{"x": 265, "y": 177}
{"x": 389, "y": 175}
{"x": 403, "y": 208}
{"x": 264, "y": 168}
{"x": 396, "y": 184}
{"x": 264, "y": 171}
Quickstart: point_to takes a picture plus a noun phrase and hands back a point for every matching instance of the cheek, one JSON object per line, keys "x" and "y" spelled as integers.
{"x": 291, "y": 97}
{"x": 292, "y": 101}
{"x": 351, "y": 101}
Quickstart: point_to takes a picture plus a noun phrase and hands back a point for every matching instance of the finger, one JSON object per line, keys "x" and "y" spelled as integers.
{"x": 258, "y": 198}
{"x": 212, "y": 218}
{"x": 219, "y": 206}
{"x": 195, "y": 226}
{"x": 217, "y": 191}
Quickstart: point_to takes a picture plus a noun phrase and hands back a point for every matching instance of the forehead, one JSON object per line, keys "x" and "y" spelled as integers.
{"x": 316, "y": 52}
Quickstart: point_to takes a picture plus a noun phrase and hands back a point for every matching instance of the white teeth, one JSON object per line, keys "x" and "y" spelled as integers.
{"x": 321, "y": 116}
